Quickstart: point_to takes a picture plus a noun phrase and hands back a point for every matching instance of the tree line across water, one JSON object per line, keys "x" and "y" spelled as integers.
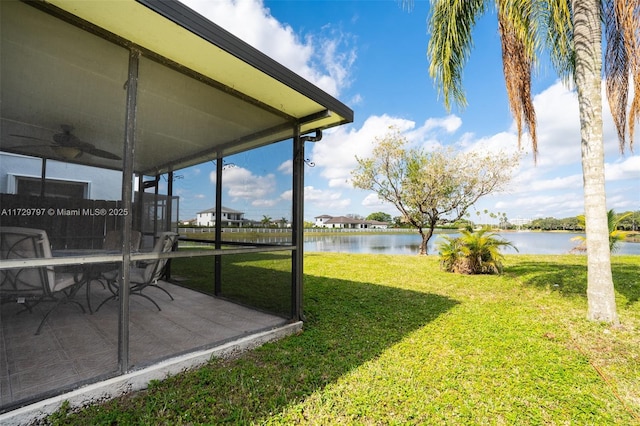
{"x": 626, "y": 221}
{"x": 630, "y": 221}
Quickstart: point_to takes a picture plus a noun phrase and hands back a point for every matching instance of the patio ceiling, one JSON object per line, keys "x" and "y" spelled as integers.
{"x": 203, "y": 93}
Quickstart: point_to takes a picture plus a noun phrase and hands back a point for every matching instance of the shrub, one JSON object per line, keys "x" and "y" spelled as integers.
{"x": 615, "y": 236}
{"x": 473, "y": 253}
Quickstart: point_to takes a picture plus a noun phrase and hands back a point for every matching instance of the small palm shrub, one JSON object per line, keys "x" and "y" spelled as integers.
{"x": 473, "y": 253}
{"x": 615, "y": 236}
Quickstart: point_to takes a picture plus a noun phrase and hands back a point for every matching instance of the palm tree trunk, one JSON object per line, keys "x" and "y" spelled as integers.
{"x": 588, "y": 77}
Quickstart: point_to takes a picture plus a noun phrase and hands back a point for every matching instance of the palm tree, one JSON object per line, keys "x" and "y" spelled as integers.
{"x": 266, "y": 220}
{"x": 450, "y": 251}
{"x": 615, "y": 235}
{"x": 473, "y": 252}
{"x": 571, "y": 30}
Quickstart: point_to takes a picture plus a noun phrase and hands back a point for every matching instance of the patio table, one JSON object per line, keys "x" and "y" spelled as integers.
{"x": 88, "y": 272}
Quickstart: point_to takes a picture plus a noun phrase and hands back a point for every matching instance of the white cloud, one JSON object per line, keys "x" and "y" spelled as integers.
{"x": 241, "y": 183}
{"x": 336, "y": 61}
{"x": 619, "y": 200}
{"x": 449, "y": 124}
{"x": 264, "y": 203}
{"x": 324, "y": 59}
{"x": 558, "y": 127}
{"x": 286, "y": 167}
{"x": 503, "y": 142}
{"x": 357, "y": 99}
{"x": 373, "y": 203}
{"x": 553, "y": 186}
{"x": 570, "y": 182}
{"x": 322, "y": 200}
{"x": 336, "y": 154}
{"x": 627, "y": 168}
{"x": 528, "y": 206}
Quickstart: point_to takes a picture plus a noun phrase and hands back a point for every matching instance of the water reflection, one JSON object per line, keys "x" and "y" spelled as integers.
{"x": 409, "y": 243}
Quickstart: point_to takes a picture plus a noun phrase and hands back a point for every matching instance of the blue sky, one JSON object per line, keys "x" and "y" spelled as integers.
{"x": 372, "y": 56}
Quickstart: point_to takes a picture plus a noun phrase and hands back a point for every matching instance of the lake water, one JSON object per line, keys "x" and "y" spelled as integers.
{"x": 526, "y": 242}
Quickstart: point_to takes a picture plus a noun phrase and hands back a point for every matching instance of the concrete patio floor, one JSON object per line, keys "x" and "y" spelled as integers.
{"x": 75, "y": 348}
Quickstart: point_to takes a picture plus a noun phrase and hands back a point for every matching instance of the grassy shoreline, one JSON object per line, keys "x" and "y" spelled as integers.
{"x": 391, "y": 339}
{"x": 248, "y": 234}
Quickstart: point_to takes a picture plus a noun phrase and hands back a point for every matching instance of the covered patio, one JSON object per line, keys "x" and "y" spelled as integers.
{"x": 107, "y": 98}
{"x": 74, "y": 349}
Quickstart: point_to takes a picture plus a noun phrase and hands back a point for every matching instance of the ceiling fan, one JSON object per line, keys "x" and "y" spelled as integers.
{"x": 69, "y": 146}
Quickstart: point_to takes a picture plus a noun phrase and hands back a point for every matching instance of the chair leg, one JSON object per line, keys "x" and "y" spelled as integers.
{"x": 89, "y": 281}
{"x": 157, "y": 286}
{"x": 58, "y": 302}
{"x": 149, "y": 299}
{"x": 105, "y": 301}
{"x": 137, "y": 293}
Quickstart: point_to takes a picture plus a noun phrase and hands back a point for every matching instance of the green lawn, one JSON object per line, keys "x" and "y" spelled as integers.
{"x": 393, "y": 340}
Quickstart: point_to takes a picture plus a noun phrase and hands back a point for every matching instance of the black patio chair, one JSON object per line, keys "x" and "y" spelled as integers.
{"x": 113, "y": 242}
{"x": 31, "y": 286}
{"x": 146, "y": 273}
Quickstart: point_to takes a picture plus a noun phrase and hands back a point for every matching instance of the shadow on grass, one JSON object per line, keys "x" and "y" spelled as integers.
{"x": 570, "y": 279}
{"x": 258, "y": 280}
{"x": 348, "y": 323}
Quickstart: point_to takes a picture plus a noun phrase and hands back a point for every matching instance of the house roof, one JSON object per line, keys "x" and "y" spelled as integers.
{"x": 349, "y": 220}
{"x": 237, "y": 99}
{"x": 344, "y": 219}
{"x": 224, "y": 210}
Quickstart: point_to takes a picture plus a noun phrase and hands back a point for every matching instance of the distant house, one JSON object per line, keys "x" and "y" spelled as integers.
{"x": 375, "y": 224}
{"x": 520, "y": 221}
{"x": 344, "y": 222}
{"x": 230, "y": 217}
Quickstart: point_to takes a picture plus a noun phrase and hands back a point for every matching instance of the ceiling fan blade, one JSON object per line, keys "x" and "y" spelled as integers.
{"x": 68, "y": 143}
{"x": 100, "y": 153}
{"x": 30, "y": 146}
{"x": 30, "y": 137}
{"x": 44, "y": 151}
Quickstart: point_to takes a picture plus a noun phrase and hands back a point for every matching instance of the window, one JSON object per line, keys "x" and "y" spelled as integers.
{"x": 53, "y": 187}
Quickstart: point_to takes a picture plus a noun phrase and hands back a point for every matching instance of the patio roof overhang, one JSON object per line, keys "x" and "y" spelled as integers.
{"x": 253, "y": 101}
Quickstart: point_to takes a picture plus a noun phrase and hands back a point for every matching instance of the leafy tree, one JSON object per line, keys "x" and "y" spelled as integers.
{"x": 504, "y": 222}
{"x": 430, "y": 187}
{"x": 266, "y": 220}
{"x": 355, "y": 216}
{"x": 473, "y": 252}
{"x": 616, "y": 236}
{"x": 399, "y": 222}
{"x": 463, "y": 224}
{"x": 630, "y": 221}
{"x": 380, "y": 217}
{"x": 572, "y": 32}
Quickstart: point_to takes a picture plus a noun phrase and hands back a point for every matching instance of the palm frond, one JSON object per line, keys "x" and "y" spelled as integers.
{"x": 473, "y": 252}
{"x": 616, "y": 70}
{"x": 556, "y": 16}
{"x": 622, "y": 62}
{"x": 629, "y": 20}
{"x": 451, "y": 23}
{"x": 518, "y": 28}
